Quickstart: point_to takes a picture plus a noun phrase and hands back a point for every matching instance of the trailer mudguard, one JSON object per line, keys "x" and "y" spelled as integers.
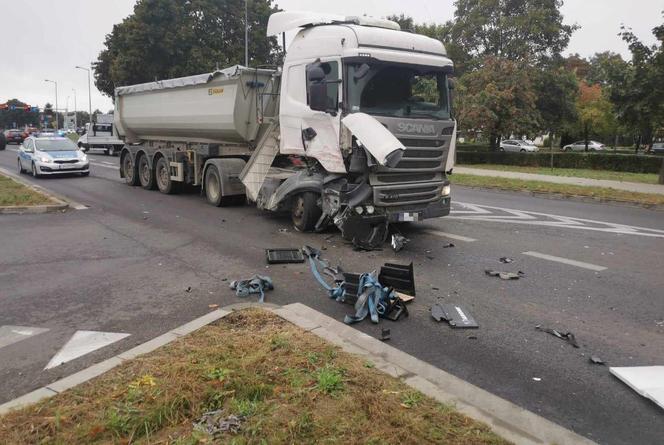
{"x": 229, "y": 173}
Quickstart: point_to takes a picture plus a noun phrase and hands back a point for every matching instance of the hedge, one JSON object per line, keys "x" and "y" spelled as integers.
{"x": 593, "y": 161}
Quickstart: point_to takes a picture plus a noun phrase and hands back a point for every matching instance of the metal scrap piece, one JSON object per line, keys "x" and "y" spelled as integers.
{"x": 568, "y": 336}
{"x": 398, "y": 242}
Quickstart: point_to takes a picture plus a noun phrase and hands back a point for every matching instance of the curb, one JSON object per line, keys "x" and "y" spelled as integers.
{"x": 61, "y": 203}
{"x": 505, "y": 418}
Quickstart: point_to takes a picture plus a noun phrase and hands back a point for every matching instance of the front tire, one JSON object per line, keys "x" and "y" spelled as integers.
{"x": 146, "y": 174}
{"x": 20, "y": 168}
{"x": 163, "y": 176}
{"x": 129, "y": 170}
{"x": 305, "y": 212}
{"x": 35, "y": 172}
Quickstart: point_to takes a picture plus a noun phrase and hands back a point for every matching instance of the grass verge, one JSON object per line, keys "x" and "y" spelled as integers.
{"x": 13, "y": 193}
{"x": 606, "y": 194}
{"x": 289, "y": 385}
{"x": 645, "y": 178}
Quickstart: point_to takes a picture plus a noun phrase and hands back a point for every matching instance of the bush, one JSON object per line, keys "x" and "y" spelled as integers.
{"x": 472, "y": 147}
{"x": 593, "y": 161}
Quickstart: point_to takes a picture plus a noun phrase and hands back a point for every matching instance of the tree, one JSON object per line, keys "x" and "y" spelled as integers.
{"x": 578, "y": 65}
{"x": 557, "y": 90}
{"x": 520, "y": 30}
{"x": 595, "y": 112}
{"x": 171, "y": 38}
{"x": 498, "y": 99}
{"x": 605, "y": 68}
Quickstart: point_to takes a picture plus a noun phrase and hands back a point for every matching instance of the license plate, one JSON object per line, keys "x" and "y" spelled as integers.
{"x": 408, "y": 217}
{"x": 67, "y": 167}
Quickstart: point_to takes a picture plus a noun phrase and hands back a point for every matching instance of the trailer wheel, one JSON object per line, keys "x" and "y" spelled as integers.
{"x": 129, "y": 170}
{"x": 146, "y": 174}
{"x": 163, "y": 176}
{"x": 305, "y": 212}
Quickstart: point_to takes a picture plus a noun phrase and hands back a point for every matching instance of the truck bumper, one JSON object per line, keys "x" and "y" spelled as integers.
{"x": 435, "y": 209}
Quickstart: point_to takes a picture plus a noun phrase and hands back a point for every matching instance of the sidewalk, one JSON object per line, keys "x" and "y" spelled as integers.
{"x": 618, "y": 185}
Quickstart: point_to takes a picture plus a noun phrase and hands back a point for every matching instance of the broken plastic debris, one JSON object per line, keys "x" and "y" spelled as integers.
{"x": 506, "y": 260}
{"x": 398, "y": 242}
{"x": 648, "y": 381}
{"x": 456, "y": 315}
{"x": 213, "y": 306}
{"x": 188, "y": 289}
{"x": 537, "y": 379}
{"x": 385, "y": 334}
{"x": 448, "y": 245}
{"x": 504, "y": 275}
{"x": 568, "y": 336}
{"x": 214, "y": 424}
{"x": 596, "y": 360}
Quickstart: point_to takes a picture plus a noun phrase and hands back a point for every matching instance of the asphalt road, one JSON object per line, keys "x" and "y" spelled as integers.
{"x": 123, "y": 265}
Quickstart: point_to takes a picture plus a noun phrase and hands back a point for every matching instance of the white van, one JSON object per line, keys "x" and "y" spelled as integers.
{"x": 101, "y": 137}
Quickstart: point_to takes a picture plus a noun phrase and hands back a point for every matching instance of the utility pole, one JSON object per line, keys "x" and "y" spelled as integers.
{"x": 57, "y": 122}
{"x": 246, "y": 33}
{"x": 89, "y": 94}
{"x": 75, "y": 113}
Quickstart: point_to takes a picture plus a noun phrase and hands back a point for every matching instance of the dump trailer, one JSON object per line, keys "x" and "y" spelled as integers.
{"x": 355, "y": 129}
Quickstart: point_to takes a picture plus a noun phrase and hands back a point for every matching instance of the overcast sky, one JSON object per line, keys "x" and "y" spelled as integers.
{"x": 46, "y": 39}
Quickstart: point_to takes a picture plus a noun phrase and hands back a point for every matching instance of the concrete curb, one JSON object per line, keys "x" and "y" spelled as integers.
{"x": 61, "y": 203}
{"x": 505, "y": 418}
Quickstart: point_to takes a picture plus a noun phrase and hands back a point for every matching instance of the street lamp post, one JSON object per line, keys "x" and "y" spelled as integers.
{"x": 246, "y": 34}
{"x": 57, "y": 122}
{"x": 89, "y": 94}
{"x": 75, "y": 116}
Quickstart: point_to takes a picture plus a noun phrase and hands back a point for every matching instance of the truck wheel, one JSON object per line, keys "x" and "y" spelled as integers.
{"x": 129, "y": 170}
{"x": 163, "y": 177}
{"x": 305, "y": 212}
{"x": 146, "y": 174}
{"x": 213, "y": 186}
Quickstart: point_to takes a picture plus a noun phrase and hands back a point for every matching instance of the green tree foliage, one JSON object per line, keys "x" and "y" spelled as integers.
{"x": 171, "y": 38}
{"x": 18, "y": 117}
{"x": 557, "y": 90}
{"x": 520, "y": 30}
{"x": 596, "y": 115}
{"x": 498, "y": 99}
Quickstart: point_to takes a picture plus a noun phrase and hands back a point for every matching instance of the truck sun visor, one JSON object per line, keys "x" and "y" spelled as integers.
{"x": 376, "y": 138}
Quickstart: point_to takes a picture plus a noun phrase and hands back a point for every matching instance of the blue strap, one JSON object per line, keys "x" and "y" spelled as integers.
{"x": 372, "y": 301}
{"x": 335, "y": 292}
{"x": 257, "y": 284}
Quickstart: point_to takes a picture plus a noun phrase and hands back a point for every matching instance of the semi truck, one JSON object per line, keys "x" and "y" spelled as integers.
{"x": 355, "y": 129}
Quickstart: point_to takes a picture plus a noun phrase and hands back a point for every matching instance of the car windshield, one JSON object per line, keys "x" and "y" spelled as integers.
{"x": 55, "y": 145}
{"x": 397, "y": 90}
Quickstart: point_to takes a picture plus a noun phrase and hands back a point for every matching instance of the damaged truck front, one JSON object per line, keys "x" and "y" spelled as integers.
{"x": 354, "y": 130}
{"x": 374, "y": 124}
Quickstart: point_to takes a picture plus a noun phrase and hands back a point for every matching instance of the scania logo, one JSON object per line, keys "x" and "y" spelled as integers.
{"x": 410, "y": 127}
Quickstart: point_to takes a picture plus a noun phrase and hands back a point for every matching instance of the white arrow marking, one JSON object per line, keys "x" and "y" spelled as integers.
{"x": 13, "y": 334}
{"x": 81, "y": 343}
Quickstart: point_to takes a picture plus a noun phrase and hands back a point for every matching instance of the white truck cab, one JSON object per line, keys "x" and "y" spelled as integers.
{"x": 101, "y": 136}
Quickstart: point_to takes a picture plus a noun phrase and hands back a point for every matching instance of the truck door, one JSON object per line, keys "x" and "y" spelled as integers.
{"x": 297, "y": 115}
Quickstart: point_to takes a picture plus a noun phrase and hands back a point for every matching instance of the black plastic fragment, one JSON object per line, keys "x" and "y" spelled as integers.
{"x": 284, "y": 256}
{"x": 596, "y": 360}
{"x": 399, "y": 277}
{"x": 567, "y": 336}
{"x": 385, "y": 334}
{"x": 506, "y": 260}
{"x": 456, "y": 315}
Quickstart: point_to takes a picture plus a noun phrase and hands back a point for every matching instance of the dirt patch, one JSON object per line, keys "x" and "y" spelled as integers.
{"x": 286, "y": 385}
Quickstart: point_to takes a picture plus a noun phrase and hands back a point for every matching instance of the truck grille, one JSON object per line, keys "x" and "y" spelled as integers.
{"x": 407, "y": 194}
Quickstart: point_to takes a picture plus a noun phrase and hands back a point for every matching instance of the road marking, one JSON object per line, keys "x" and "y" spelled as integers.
{"x": 558, "y": 259}
{"x": 12, "y": 334}
{"x": 105, "y": 166}
{"x": 81, "y": 343}
{"x": 475, "y": 212}
{"x": 450, "y": 235}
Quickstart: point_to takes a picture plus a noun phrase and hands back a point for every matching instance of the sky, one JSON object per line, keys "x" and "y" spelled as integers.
{"x": 46, "y": 39}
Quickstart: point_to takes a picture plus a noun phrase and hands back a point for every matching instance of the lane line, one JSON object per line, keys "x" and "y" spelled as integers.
{"x": 450, "y": 235}
{"x": 105, "y": 166}
{"x": 567, "y": 261}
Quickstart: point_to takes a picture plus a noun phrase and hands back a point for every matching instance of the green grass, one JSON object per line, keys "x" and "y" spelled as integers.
{"x": 606, "y": 194}
{"x": 290, "y": 386}
{"x": 13, "y": 193}
{"x": 644, "y": 178}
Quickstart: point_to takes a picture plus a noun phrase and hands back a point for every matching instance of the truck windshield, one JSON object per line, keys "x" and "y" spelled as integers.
{"x": 397, "y": 90}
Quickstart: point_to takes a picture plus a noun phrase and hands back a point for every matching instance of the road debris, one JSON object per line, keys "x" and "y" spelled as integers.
{"x": 283, "y": 230}
{"x": 648, "y": 381}
{"x": 596, "y": 360}
{"x": 398, "y": 242}
{"x": 398, "y": 276}
{"x": 455, "y": 315}
{"x": 448, "y": 245}
{"x": 284, "y": 256}
{"x": 505, "y": 275}
{"x": 214, "y": 424}
{"x": 537, "y": 379}
{"x": 257, "y": 284}
{"x": 506, "y": 260}
{"x": 188, "y": 289}
{"x": 568, "y": 336}
{"x": 213, "y": 306}
{"x": 385, "y": 334}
